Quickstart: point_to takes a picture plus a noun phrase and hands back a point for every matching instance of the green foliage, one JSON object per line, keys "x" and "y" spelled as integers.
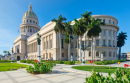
{"x": 121, "y": 76}
{"x": 40, "y": 68}
{"x": 108, "y": 62}
{"x": 70, "y": 62}
{"x": 5, "y": 61}
{"x": 60, "y": 62}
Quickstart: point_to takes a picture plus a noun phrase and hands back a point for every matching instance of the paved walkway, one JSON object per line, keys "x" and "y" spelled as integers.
{"x": 60, "y": 74}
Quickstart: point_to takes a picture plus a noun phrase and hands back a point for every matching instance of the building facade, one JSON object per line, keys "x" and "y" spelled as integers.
{"x": 125, "y": 56}
{"x": 25, "y": 45}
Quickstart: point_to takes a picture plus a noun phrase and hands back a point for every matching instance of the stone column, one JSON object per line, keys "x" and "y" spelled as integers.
{"x": 100, "y": 40}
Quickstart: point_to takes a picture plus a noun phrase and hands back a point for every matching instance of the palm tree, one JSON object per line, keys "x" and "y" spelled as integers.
{"x": 93, "y": 31}
{"x": 87, "y": 17}
{"x": 121, "y": 41}
{"x": 59, "y": 28}
{"x": 79, "y": 28}
{"x": 68, "y": 33}
{"x": 5, "y": 52}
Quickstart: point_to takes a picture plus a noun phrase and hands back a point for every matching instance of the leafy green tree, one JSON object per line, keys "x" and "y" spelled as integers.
{"x": 79, "y": 28}
{"x": 93, "y": 31}
{"x": 68, "y": 32}
{"x": 59, "y": 28}
{"x": 121, "y": 41}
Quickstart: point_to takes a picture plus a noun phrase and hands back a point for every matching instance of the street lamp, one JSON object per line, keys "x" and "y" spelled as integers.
{"x": 39, "y": 42}
{"x": 83, "y": 47}
{"x": 12, "y": 55}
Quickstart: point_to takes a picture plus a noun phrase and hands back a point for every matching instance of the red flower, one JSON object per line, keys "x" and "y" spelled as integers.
{"x": 90, "y": 61}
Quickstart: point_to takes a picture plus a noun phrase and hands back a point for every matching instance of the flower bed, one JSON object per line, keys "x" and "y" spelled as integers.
{"x": 40, "y": 68}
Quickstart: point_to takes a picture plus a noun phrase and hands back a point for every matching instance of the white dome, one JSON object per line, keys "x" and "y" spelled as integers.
{"x": 30, "y": 14}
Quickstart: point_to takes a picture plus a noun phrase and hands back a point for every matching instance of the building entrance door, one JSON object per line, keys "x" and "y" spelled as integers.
{"x": 18, "y": 58}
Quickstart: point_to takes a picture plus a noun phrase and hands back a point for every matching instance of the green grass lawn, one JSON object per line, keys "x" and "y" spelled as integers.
{"x": 105, "y": 69}
{"x": 8, "y": 66}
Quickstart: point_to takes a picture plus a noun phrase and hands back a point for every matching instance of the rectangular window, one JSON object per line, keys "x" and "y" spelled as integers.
{"x": 89, "y": 43}
{"x": 62, "y": 42}
{"x": 110, "y": 21}
{"x": 109, "y": 54}
{"x": 62, "y": 54}
{"x": 76, "y": 44}
{"x": 104, "y": 42}
{"x": 97, "y": 42}
{"x": 109, "y": 32}
{"x": 104, "y": 54}
{"x": 103, "y": 32}
{"x": 109, "y": 42}
{"x": 72, "y": 45}
{"x": 113, "y": 42}
{"x": 97, "y": 54}
{"x": 103, "y": 20}
{"x": 89, "y": 54}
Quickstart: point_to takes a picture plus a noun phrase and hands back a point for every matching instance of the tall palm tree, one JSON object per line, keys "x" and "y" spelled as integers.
{"x": 59, "y": 28}
{"x": 121, "y": 41}
{"x": 79, "y": 28}
{"x": 87, "y": 17}
{"x": 5, "y": 52}
{"x": 68, "y": 33}
{"x": 93, "y": 31}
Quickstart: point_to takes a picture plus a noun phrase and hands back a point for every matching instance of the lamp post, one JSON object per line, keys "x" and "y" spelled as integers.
{"x": 83, "y": 48}
{"x": 12, "y": 55}
{"x": 39, "y": 50}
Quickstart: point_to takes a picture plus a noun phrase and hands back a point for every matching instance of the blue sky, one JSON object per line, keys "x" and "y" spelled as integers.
{"x": 11, "y": 13}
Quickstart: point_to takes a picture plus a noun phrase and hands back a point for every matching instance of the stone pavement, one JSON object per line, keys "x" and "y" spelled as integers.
{"x": 57, "y": 76}
{"x": 60, "y": 74}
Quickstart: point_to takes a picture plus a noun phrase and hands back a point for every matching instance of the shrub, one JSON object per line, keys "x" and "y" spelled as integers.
{"x": 60, "y": 62}
{"x": 120, "y": 77}
{"x": 108, "y": 62}
{"x": 70, "y": 62}
{"x": 5, "y": 61}
{"x": 40, "y": 68}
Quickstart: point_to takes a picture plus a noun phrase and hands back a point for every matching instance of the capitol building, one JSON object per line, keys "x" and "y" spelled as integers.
{"x": 25, "y": 45}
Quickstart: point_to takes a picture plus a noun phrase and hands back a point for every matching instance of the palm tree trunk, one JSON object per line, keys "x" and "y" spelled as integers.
{"x": 119, "y": 53}
{"x": 80, "y": 48}
{"x": 92, "y": 49}
{"x": 60, "y": 44}
{"x": 69, "y": 49}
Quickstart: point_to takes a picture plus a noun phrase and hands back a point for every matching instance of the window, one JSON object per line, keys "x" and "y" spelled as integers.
{"x": 113, "y": 33}
{"x": 51, "y": 43}
{"x": 33, "y": 21}
{"x": 89, "y": 43}
{"x": 113, "y": 54}
{"x": 103, "y": 32}
{"x": 97, "y": 54}
{"x": 113, "y": 22}
{"x": 62, "y": 42}
{"x": 76, "y": 44}
{"x": 72, "y": 45}
{"x": 103, "y": 20}
{"x": 113, "y": 42}
{"x": 109, "y": 54}
{"x": 30, "y": 21}
{"x": 104, "y": 54}
{"x": 30, "y": 30}
{"x": 62, "y": 54}
{"x": 110, "y": 21}
{"x": 82, "y": 42}
{"x": 104, "y": 42}
{"x": 97, "y": 42}
{"x": 109, "y": 42}
{"x": 36, "y": 22}
{"x": 27, "y": 20}
{"x": 89, "y": 54}
{"x": 109, "y": 33}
